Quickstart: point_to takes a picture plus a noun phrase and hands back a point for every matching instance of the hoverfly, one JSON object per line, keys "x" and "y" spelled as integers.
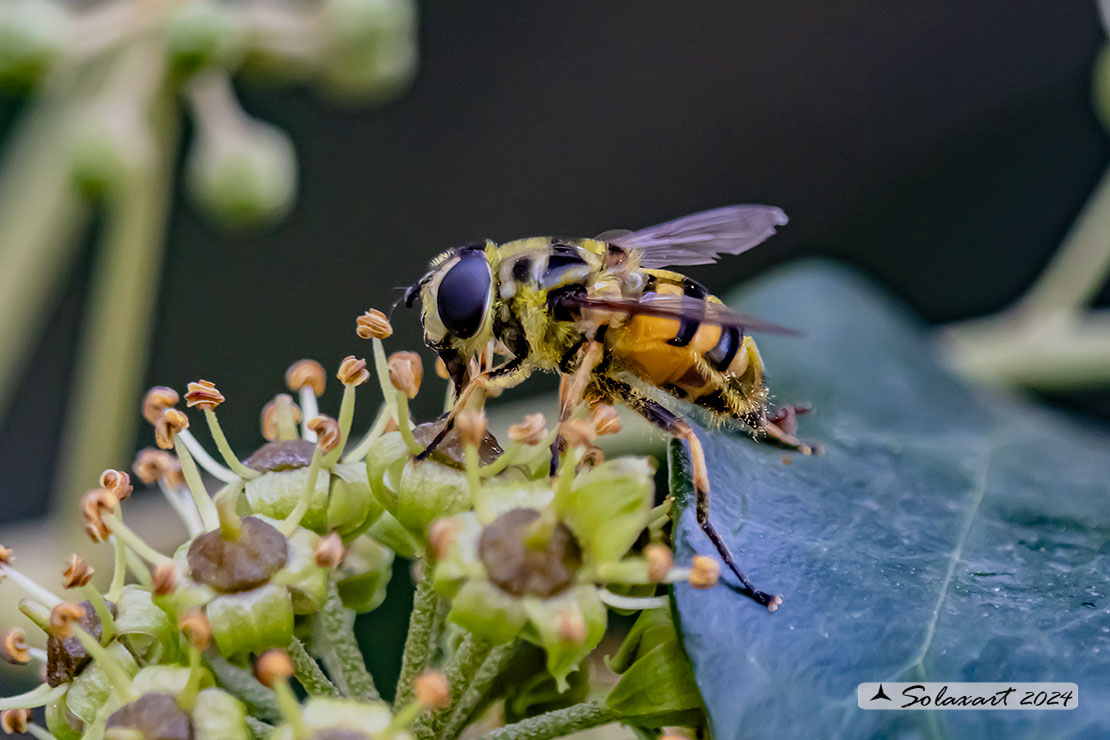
{"x": 604, "y": 314}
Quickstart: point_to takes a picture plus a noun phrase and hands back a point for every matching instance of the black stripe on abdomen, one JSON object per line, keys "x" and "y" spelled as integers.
{"x": 724, "y": 352}
{"x": 688, "y": 328}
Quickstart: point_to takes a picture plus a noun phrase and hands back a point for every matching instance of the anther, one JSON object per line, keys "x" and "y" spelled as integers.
{"x": 572, "y": 627}
{"x": 158, "y": 399}
{"x": 442, "y": 534}
{"x": 659, "y": 562}
{"x": 352, "y": 371}
{"x": 406, "y": 371}
{"x": 163, "y": 578}
{"x": 196, "y": 628}
{"x": 605, "y": 420}
{"x": 472, "y": 426}
{"x": 441, "y": 368}
{"x": 373, "y": 325}
{"x": 13, "y": 647}
{"x": 14, "y": 721}
{"x": 203, "y": 394}
{"x": 6, "y": 555}
{"x": 273, "y": 667}
{"x": 531, "y": 431}
{"x": 328, "y": 436}
{"x": 118, "y": 482}
{"x": 94, "y": 505}
{"x": 329, "y": 551}
{"x": 167, "y": 425}
{"x": 432, "y": 690}
{"x": 78, "y": 572}
{"x": 62, "y": 618}
{"x": 270, "y": 429}
{"x": 577, "y": 433}
{"x": 306, "y": 373}
{"x": 152, "y": 465}
{"x": 704, "y": 573}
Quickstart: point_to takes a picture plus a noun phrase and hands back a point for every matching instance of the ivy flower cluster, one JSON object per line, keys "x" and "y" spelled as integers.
{"x": 288, "y": 544}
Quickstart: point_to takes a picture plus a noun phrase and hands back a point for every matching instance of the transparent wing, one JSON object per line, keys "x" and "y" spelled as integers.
{"x": 700, "y": 238}
{"x": 681, "y": 308}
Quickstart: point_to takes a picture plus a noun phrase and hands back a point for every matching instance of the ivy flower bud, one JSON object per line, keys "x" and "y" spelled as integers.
{"x": 78, "y": 572}
{"x": 373, "y": 325}
{"x": 327, "y": 432}
{"x": 93, "y": 505}
{"x": 605, "y": 421}
{"x": 406, "y": 371}
{"x": 329, "y": 551}
{"x": 118, "y": 482}
{"x": 13, "y": 647}
{"x": 164, "y": 578}
{"x": 270, "y": 412}
{"x": 306, "y": 373}
{"x": 194, "y": 625}
{"x": 704, "y": 572}
{"x": 169, "y": 424}
{"x": 577, "y": 433}
{"x": 531, "y": 431}
{"x": 203, "y": 394}
{"x": 659, "y": 562}
{"x": 152, "y": 465}
{"x": 62, "y": 617}
{"x": 352, "y": 371}
{"x": 14, "y": 721}
{"x": 432, "y": 690}
{"x": 158, "y": 399}
{"x": 472, "y": 426}
{"x": 272, "y": 668}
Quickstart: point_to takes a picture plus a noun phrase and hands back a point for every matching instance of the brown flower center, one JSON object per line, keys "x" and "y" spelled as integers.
{"x": 238, "y": 565}
{"x": 524, "y": 555}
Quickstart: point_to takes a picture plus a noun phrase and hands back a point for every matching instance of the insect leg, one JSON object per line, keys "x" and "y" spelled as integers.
{"x": 491, "y": 378}
{"x": 664, "y": 419}
{"x": 571, "y": 389}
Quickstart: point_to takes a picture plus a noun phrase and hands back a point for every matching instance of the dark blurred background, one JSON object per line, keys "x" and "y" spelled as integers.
{"x": 941, "y": 147}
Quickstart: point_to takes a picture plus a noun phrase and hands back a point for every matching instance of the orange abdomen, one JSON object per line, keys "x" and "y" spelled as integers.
{"x": 712, "y": 366}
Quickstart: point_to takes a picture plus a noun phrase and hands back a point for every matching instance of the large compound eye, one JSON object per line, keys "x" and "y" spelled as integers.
{"x": 463, "y": 295}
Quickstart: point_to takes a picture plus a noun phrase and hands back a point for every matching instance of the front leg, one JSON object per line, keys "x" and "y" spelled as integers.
{"x": 571, "y": 390}
{"x": 506, "y": 375}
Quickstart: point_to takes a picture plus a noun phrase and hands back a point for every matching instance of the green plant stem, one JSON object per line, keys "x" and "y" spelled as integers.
{"x": 308, "y": 672}
{"x": 1082, "y": 262}
{"x": 259, "y": 700}
{"x": 422, "y": 639}
{"x": 557, "y": 723}
{"x": 478, "y": 689}
{"x": 335, "y": 640}
{"x": 460, "y": 671}
{"x": 114, "y": 348}
{"x": 41, "y": 215}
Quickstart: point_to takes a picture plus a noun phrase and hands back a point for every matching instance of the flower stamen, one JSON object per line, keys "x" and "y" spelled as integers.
{"x": 204, "y": 394}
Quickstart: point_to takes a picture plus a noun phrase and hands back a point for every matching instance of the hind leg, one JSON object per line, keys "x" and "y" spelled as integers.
{"x": 669, "y": 422}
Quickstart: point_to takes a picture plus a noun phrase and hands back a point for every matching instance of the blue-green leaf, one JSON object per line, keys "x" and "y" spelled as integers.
{"x": 947, "y": 534}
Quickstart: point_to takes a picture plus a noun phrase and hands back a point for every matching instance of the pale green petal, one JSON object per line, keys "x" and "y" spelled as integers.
{"x": 608, "y": 507}
{"x": 219, "y": 716}
{"x": 548, "y": 616}
{"x": 352, "y": 505}
{"x": 277, "y": 493}
{"x": 91, "y": 688}
{"x": 147, "y": 629}
{"x": 321, "y": 713}
{"x": 306, "y": 581}
{"x": 487, "y": 611}
{"x": 251, "y": 621}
